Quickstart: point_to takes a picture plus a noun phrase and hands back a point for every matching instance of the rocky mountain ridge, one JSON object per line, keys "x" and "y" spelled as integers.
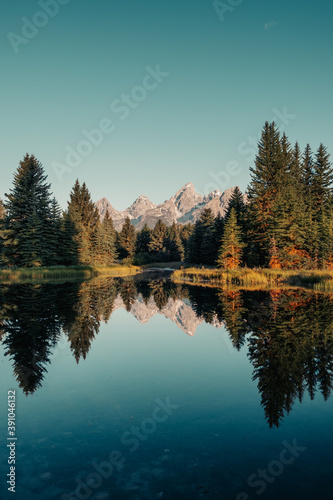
{"x": 185, "y": 206}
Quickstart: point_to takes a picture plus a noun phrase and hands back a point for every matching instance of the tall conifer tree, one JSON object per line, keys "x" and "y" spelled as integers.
{"x": 231, "y": 251}
{"x": 28, "y": 215}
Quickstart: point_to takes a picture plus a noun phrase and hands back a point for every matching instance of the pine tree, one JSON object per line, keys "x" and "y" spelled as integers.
{"x": 287, "y": 155}
{"x": 327, "y": 236}
{"x": 267, "y": 178}
{"x": 307, "y": 174}
{"x": 317, "y": 180}
{"x": 322, "y": 179}
{"x": 207, "y": 245}
{"x": 157, "y": 242}
{"x": 85, "y": 217}
{"x": 54, "y": 233}
{"x": 2, "y": 217}
{"x": 109, "y": 240}
{"x": 185, "y": 232}
{"x": 231, "y": 251}
{"x": 28, "y": 215}
{"x": 126, "y": 240}
{"x": 2, "y": 210}
{"x": 142, "y": 240}
{"x": 237, "y": 202}
{"x": 307, "y": 192}
{"x": 68, "y": 242}
{"x": 296, "y": 165}
{"x": 173, "y": 243}
{"x": 193, "y": 253}
{"x": 288, "y": 232}
{"x": 104, "y": 242}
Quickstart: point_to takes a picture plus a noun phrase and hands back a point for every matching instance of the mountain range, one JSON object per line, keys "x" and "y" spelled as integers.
{"x": 185, "y": 206}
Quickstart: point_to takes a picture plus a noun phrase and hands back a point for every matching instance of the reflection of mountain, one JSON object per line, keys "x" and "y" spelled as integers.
{"x": 177, "y": 310}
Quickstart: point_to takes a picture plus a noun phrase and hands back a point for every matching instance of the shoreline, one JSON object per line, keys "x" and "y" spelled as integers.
{"x": 60, "y": 273}
{"x": 320, "y": 280}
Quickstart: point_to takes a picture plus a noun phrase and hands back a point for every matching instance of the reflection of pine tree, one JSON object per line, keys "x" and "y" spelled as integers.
{"x": 233, "y": 315}
{"x": 128, "y": 293}
{"x": 205, "y": 302}
{"x": 144, "y": 290}
{"x": 159, "y": 293}
{"x": 292, "y": 349}
{"x": 32, "y": 327}
{"x": 95, "y": 303}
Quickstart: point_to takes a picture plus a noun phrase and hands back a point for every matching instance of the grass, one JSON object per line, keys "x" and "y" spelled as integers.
{"x": 263, "y": 278}
{"x": 10, "y": 275}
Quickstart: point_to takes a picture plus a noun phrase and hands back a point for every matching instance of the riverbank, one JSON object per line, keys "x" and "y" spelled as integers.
{"x": 10, "y": 275}
{"x": 319, "y": 280}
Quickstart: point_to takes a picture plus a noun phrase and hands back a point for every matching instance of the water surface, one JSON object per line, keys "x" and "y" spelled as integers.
{"x": 190, "y": 392}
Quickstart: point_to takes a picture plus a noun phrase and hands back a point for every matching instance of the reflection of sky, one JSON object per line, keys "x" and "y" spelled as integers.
{"x": 226, "y": 78}
{"x": 218, "y": 435}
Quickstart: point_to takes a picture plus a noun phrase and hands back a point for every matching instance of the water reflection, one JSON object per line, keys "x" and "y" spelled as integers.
{"x": 289, "y": 333}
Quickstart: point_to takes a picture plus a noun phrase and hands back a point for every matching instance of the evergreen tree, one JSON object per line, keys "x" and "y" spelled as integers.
{"x": 287, "y": 156}
{"x": 185, "y": 232}
{"x": 157, "y": 242}
{"x": 237, "y": 202}
{"x": 307, "y": 190}
{"x": 109, "y": 240}
{"x": 307, "y": 174}
{"x": 2, "y": 216}
{"x": 207, "y": 246}
{"x": 322, "y": 179}
{"x": 231, "y": 251}
{"x": 126, "y": 240}
{"x": 267, "y": 177}
{"x": 173, "y": 243}
{"x": 296, "y": 165}
{"x": 193, "y": 254}
{"x": 327, "y": 237}
{"x": 288, "y": 232}
{"x": 54, "y": 233}
{"x": 219, "y": 223}
{"x": 68, "y": 242}
{"x": 26, "y": 226}
{"x": 143, "y": 240}
{"x": 85, "y": 218}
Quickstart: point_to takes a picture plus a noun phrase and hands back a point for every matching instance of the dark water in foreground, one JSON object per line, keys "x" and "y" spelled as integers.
{"x": 131, "y": 389}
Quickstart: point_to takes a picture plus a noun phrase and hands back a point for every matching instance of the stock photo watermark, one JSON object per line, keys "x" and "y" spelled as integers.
{"x": 30, "y": 27}
{"x": 223, "y": 8}
{"x": 131, "y": 440}
{"x": 264, "y": 477}
{"x": 122, "y": 108}
{"x": 11, "y": 441}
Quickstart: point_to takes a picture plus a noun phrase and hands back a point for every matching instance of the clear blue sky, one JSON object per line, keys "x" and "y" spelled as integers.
{"x": 226, "y": 77}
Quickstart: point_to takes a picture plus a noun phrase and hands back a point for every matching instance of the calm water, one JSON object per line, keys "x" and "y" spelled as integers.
{"x": 134, "y": 389}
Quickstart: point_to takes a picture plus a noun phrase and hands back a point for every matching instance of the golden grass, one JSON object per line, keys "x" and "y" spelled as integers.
{"x": 254, "y": 278}
{"x": 11, "y": 275}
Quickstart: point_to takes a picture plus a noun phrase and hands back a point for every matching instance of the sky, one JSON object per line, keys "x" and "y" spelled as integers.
{"x": 141, "y": 97}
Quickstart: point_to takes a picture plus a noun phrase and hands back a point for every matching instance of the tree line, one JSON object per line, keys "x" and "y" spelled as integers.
{"x": 285, "y": 220}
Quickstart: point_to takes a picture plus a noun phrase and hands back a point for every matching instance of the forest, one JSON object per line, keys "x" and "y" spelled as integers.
{"x": 283, "y": 221}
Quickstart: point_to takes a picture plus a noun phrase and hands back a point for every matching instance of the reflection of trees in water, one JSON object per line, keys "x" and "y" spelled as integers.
{"x": 32, "y": 324}
{"x": 288, "y": 332}
{"x": 290, "y": 347}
